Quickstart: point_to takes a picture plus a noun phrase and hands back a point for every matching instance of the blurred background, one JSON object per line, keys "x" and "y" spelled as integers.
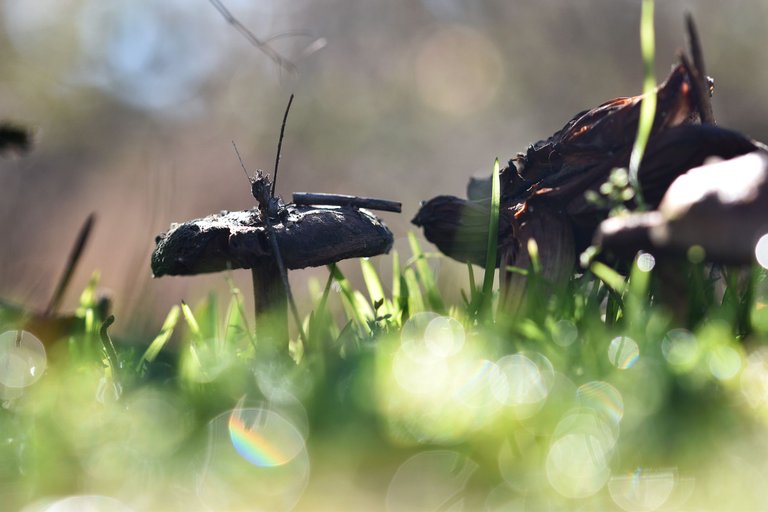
{"x": 134, "y": 104}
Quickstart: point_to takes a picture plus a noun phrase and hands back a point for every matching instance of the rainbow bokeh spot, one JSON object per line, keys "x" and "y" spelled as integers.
{"x": 267, "y": 440}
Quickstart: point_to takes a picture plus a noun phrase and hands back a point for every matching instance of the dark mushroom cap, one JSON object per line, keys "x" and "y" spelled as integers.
{"x": 308, "y": 236}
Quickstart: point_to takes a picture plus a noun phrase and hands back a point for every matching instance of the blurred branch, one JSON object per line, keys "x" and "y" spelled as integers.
{"x": 262, "y": 45}
{"x": 14, "y": 137}
{"x": 69, "y": 268}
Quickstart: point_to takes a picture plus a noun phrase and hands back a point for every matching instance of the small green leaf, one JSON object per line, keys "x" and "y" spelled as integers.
{"x": 166, "y": 331}
{"x": 424, "y": 275}
{"x": 610, "y": 277}
{"x": 189, "y": 318}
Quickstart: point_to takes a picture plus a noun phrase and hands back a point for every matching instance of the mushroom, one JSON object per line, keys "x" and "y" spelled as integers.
{"x": 266, "y": 238}
{"x": 550, "y": 193}
{"x": 273, "y": 238}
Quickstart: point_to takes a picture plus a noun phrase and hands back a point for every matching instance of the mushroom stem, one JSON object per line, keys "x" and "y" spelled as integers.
{"x": 270, "y": 304}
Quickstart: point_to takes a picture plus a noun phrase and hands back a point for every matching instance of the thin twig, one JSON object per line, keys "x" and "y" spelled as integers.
{"x": 263, "y": 46}
{"x": 318, "y": 198}
{"x": 69, "y": 269}
{"x": 699, "y": 72}
{"x": 280, "y": 144}
{"x": 242, "y": 164}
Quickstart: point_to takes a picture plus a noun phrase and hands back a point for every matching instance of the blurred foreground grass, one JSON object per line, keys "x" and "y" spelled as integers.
{"x": 599, "y": 396}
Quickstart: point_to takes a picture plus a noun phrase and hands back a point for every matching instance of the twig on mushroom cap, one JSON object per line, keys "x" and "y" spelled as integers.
{"x": 280, "y": 145}
{"x": 318, "y": 198}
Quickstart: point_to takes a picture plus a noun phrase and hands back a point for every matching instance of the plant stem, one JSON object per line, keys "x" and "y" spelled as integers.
{"x": 648, "y": 106}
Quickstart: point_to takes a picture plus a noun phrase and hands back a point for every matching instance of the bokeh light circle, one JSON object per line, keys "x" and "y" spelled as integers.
{"x": 680, "y": 348}
{"x": 577, "y": 465}
{"x": 623, "y": 352}
{"x": 602, "y": 398}
{"x": 504, "y": 499}
{"x": 412, "y": 336}
{"x": 444, "y": 336}
{"x": 420, "y": 376}
{"x": 646, "y": 262}
{"x": 754, "y": 379}
{"x": 263, "y": 437}
{"x": 525, "y": 384}
{"x": 642, "y": 491}
{"x": 429, "y": 480}
{"x": 256, "y": 460}
{"x": 22, "y": 359}
{"x": 565, "y": 333}
{"x": 520, "y": 476}
{"x": 477, "y": 385}
{"x": 88, "y": 503}
{"x": 761, "y": 251}
{"x": 724, "y": 362}
{"x": 586, "y": 421}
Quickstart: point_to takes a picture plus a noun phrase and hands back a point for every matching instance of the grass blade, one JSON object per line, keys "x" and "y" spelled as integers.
{"x": 109, "y": 347}
{"x": 166, "y": 331}
{"x": 610, "y": 277}
{"x": 648, "y": 105}
{"x": 415, "y": 296}
{"x": 234, "y": 318}
{"x": 493, "y": 239}
{"x": 354, "y": 303}
{"x": 424, "y": 275}
{"x": 189, "y": 318}
{"x": 397, "y": 279}
{"x": 373, "y": 283}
